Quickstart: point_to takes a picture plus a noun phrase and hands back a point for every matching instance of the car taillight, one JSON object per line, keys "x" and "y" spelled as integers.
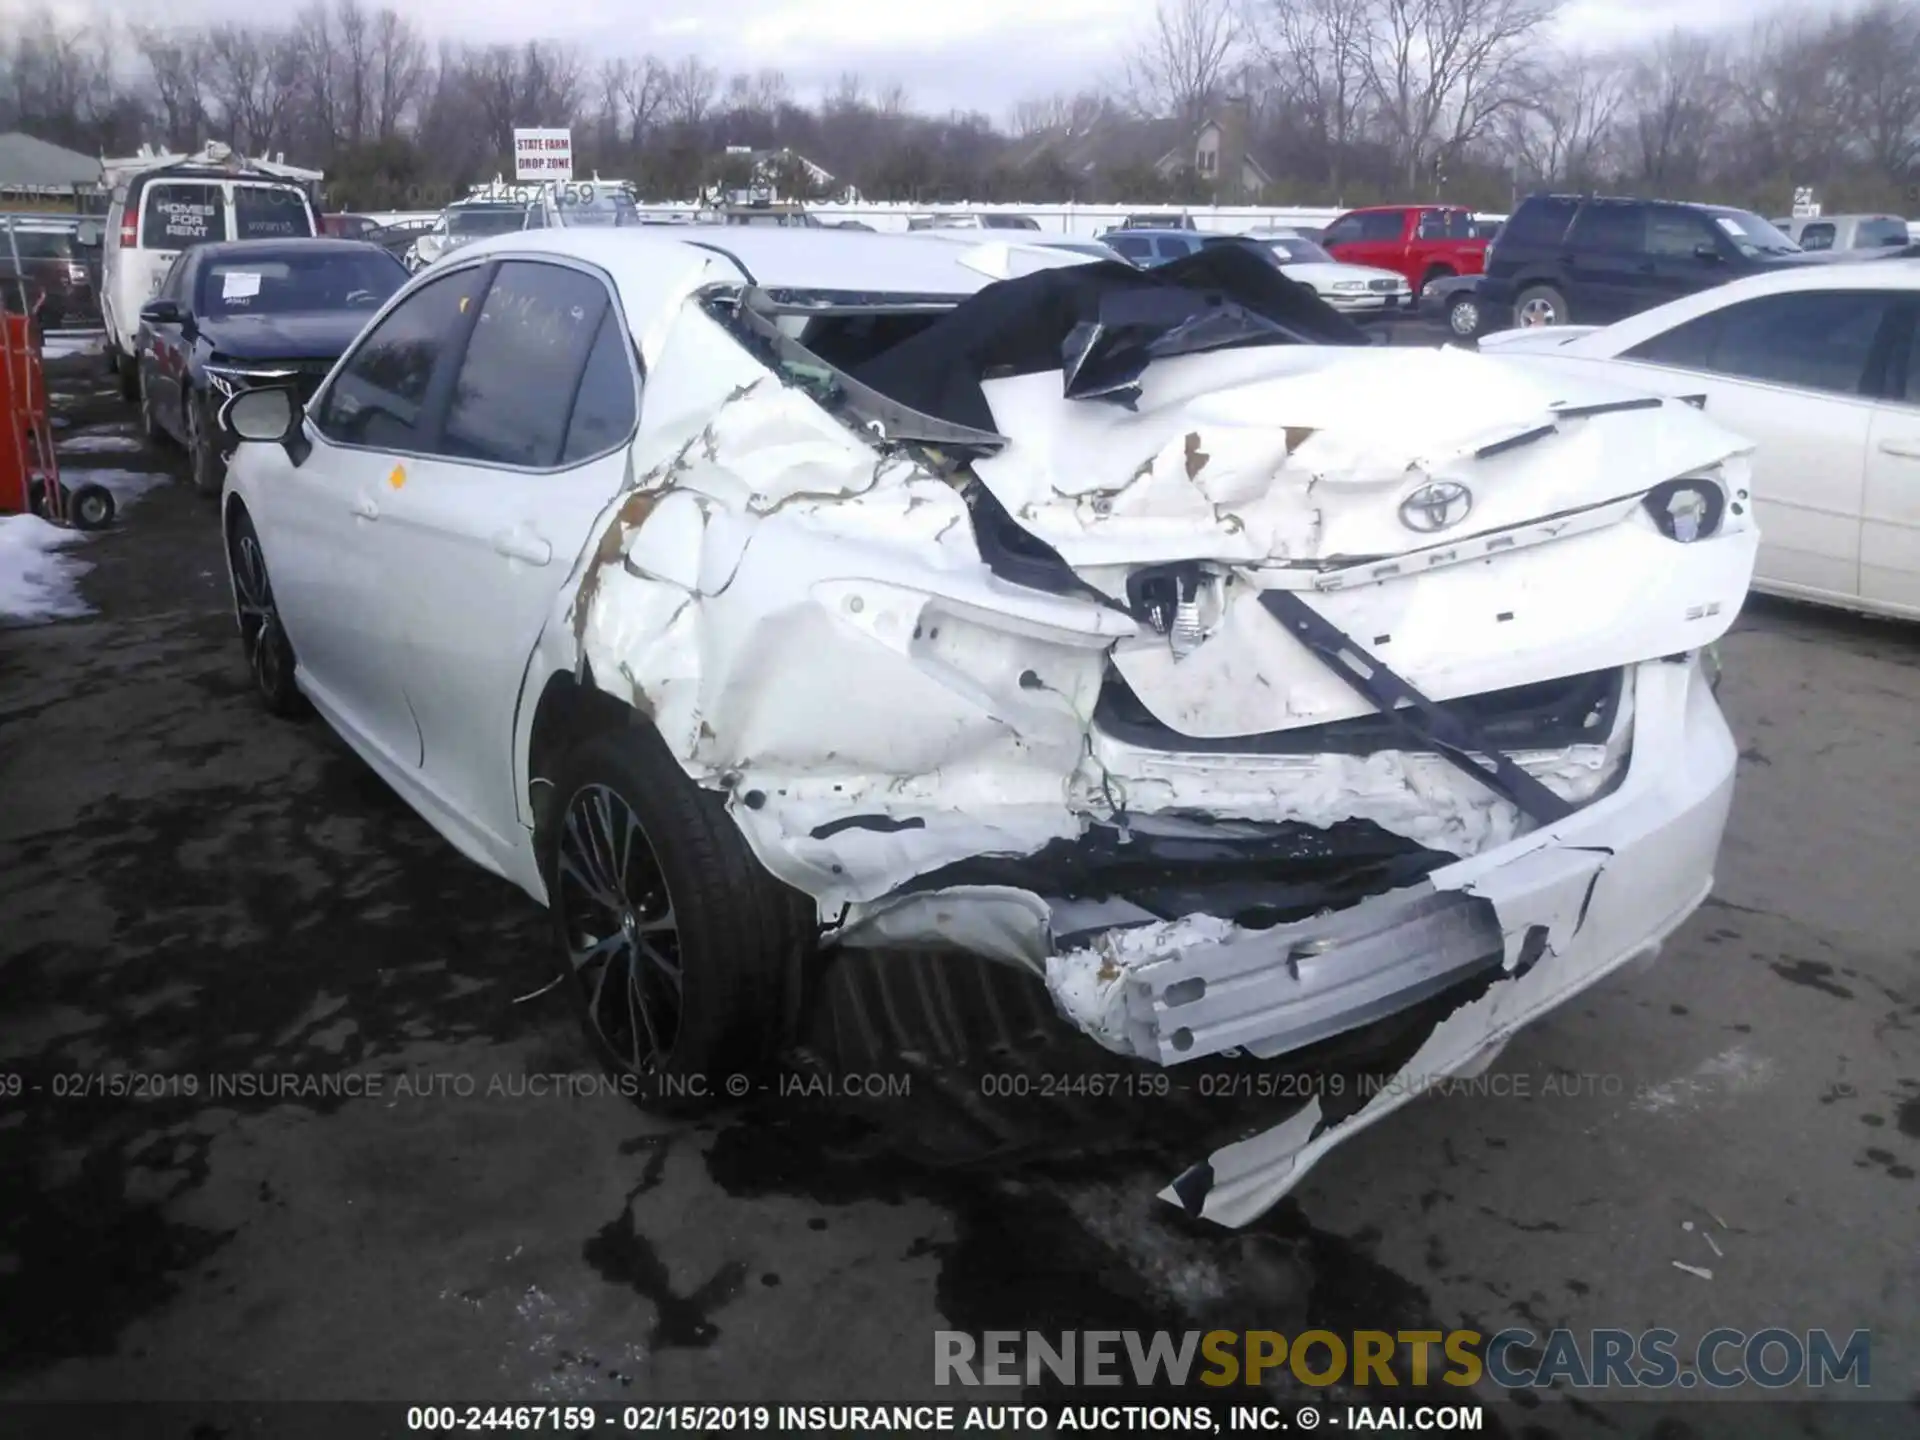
{"x": 129, "y": 230}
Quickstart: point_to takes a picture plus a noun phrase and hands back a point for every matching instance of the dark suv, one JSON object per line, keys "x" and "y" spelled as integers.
{"x": 1569, "y": 259}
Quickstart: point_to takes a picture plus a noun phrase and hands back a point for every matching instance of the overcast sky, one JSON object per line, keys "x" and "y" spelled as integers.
{"x": 977, "y": 54}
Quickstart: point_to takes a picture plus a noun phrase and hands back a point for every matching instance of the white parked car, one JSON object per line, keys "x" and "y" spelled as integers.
{"x": 1360, "y": 290}
{"x": 744, "y": 593}
{"x": 1815, "y": 366}
{"x": 464, "y": 222}
{"x": 1077, "y": 245}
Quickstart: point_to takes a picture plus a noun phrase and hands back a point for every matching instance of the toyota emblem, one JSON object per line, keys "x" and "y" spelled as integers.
{"x": 1437, "y": 505}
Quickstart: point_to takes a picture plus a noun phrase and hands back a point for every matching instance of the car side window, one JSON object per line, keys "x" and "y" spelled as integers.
{"x": 1134, "y": 247}
{"x": 1685, "y": 347}
{"x": 516, "y": 382}
{"x": 1609, "y": 227}
{"x": 1817, "y": 236}
{"x": 1381, "y": 225}
{"x": 1676, "y": 234}
{"x": 173, "y": 287}
{"x": 1539, "y": 221}
{"x": 1815, "y": 340}
{"x": 376, "y": 398}
{"x": 603, "y": 406}
{"x": 1343, "y": 231}
{"x": 1445, "y": 225}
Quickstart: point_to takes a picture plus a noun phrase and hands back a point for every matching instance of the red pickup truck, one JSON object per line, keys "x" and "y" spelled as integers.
{"x": 1422, "y": 242}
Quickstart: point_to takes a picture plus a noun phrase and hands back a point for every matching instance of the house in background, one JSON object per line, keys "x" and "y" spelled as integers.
{"x": 38, "y": 175}
{"x": 1218, "y": 151}
{"x": 755, "y": 177}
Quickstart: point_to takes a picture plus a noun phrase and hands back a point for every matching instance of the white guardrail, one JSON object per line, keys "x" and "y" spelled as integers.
{"x": 1084, "y": 220}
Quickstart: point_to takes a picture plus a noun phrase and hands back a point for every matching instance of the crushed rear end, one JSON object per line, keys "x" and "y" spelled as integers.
{"x": 1244, "y": 691}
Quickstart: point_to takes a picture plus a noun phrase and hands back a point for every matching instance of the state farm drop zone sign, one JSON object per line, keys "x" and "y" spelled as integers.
{"x": 543, "y": 154}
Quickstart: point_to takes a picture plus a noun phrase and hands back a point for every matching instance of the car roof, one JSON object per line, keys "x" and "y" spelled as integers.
{"x": 220, "y": 250}
{"x": 970, "y": 234}
{"x": 779, "y": 257}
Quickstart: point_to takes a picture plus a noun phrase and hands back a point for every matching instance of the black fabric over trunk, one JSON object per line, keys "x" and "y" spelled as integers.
{"x": 1103, "y": 324}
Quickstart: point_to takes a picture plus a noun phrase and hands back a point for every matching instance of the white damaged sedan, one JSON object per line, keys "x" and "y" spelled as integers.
{"x": 745, "y": 595}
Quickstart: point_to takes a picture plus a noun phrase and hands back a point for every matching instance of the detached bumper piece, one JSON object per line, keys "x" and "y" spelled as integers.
{"x": 1269, "y": 992}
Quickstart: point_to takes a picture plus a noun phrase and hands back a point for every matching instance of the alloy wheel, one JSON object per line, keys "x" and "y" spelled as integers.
{"x": 1538, "y": 311}
{"x": 1466, "y": 318}
{"x": 259, "y": 620}
{"x": 617, "y": 919}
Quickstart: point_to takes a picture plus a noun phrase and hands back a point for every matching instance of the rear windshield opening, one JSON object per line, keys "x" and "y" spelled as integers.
{"x": 179, "y": 215}
{"x": 274, "y": 284}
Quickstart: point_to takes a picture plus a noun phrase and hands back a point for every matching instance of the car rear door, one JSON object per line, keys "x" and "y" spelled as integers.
{"x": 164, "y": 350}
{"x": 1890, "y": 506}
{"x": 481, "y": 536}
{"x": 1794, "y": 373}
{"x": 1604, "y": 262}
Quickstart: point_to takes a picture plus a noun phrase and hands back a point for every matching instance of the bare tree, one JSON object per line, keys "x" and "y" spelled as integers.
{"x": 1073, "y": 113}
{"x": 253, "y": 77}
{"x": 1677, "y": 91}
{"x": 1791, "y": 94}
{"x": 1562, "y": 129}
{"x": 690, "y": 91}
{"x": 176, "y": 63}
{"x": 1442, "y": 70}
{"x": 399, "y": 74}
{"x": 1318, "y": 52}
{"x": 1180, "y": 65}
{"x": 1880, "y": 55}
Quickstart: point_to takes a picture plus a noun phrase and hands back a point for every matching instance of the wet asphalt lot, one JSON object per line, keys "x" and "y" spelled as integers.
{"x": 191, "y": 889}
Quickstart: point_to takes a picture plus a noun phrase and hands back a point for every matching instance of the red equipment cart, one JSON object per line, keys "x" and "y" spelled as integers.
{"x": 29, "y": 472}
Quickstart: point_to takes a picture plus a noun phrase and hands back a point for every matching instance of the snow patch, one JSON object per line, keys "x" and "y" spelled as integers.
{"x": 37, "y": 581}
{"x": 62, "y": 347}
{"x": 92, "y": 442}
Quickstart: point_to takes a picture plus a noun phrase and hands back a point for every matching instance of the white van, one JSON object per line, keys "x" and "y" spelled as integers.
{"x": 172, "y": 204}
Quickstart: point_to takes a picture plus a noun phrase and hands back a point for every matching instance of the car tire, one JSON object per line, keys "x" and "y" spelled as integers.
{"x": 204, "y": 463}
{"x": 150, "y": 425}
{"x": 1463, "y": 316}
{"x": 128, "y": 370}
{"x": 679, "y": 893}
{"x": 1540, "y": 305}
{"x": 263, "y": 638}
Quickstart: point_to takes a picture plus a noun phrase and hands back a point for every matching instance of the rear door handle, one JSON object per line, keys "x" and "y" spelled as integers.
{"x": 519, "y": 545}
{"x": 365, "y": 509}
{"x": 1905, "y": 449}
